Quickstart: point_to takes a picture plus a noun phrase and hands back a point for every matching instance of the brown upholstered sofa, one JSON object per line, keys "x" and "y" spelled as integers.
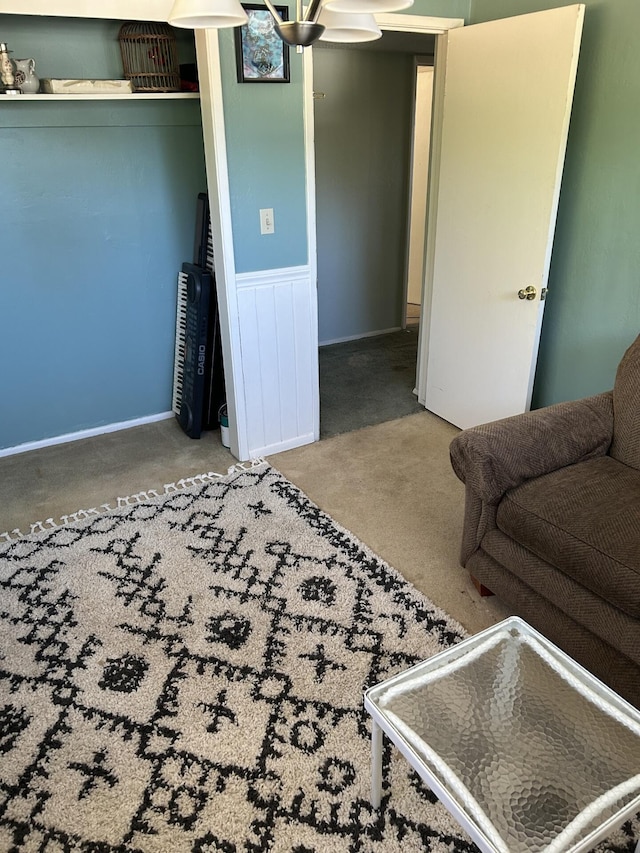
{"x": 552, "y": 522}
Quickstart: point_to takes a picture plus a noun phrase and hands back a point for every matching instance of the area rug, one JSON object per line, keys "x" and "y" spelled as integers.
{"x": 185, "y": 673}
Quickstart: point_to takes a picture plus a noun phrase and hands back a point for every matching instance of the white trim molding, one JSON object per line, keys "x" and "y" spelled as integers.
{"x": 360, "y": 337}
{"x": 213, "y": 130}
{"x": 85, "y": 433}
{"x": 281, "y": 446}
{"x": 312, "y": 244}
{"x": 417, "y": 23}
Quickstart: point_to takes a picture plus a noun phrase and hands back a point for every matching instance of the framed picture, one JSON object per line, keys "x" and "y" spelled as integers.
{"x": 261, "y": 55}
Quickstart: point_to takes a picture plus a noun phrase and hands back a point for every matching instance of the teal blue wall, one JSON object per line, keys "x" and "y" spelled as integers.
{"x": 265, "y": 149}
{"x": 97, "y": 210}
{"x": 362, "y": 140}
{"x": 593, "y": 307}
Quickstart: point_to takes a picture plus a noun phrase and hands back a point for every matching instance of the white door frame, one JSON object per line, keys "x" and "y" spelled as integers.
{"x": 427, "y": 24}
{"x": 417, "y": 24}
{"x": 215, "y": 148}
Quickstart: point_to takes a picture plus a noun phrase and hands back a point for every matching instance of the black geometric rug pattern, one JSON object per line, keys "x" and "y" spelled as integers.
{"x": 185, "y": 673}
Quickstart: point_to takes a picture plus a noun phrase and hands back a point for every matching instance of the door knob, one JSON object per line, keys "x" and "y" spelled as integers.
{"x": 527, "y": 293}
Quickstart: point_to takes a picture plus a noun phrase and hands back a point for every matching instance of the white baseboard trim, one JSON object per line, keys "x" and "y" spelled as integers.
{"x": 271, "y": 449}
{"x": 358, "y": 337}
{"x": 85, "y": 433}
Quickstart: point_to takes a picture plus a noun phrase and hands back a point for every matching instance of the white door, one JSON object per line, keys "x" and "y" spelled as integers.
{"x": 504, "y": 102}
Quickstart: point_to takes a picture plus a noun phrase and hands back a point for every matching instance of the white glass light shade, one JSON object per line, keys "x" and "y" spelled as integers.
{"x": 344, "y": 27}
{"x": 205, "y": 14}
{"x": 373, "y": 6}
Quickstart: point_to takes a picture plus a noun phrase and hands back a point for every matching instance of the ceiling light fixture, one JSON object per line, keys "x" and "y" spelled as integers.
{"x": 348, "y": 26}
{"x": 329, "y": 20}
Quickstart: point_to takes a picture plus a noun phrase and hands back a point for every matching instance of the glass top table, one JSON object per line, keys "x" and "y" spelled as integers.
{"x": 525, "y": 748}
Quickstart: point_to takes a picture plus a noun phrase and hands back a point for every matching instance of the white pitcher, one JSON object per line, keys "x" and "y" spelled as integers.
{"x": 26, "y": 78}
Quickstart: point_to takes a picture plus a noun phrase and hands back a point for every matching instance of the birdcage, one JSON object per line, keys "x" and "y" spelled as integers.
{"x": 149, "y": 57}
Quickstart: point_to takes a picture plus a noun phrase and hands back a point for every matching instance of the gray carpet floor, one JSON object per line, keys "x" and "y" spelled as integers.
{"x": 369, "y": 381}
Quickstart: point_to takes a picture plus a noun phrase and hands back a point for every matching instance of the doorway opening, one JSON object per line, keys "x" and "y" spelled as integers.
{"x": 371, "y": 170}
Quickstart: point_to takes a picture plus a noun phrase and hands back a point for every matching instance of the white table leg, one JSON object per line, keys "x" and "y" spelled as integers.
{"x": 376, "y": 765}
{"x": 638, "y": 847}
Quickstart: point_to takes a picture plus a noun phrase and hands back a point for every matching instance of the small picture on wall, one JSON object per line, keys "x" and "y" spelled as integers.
{"x": 261, "y": 55}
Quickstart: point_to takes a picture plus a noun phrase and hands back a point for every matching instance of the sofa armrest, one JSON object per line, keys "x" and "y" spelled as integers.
{"x": 495, "y": 457}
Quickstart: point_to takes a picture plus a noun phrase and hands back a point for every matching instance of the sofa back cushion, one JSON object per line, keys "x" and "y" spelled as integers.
{"x": 626, "y": 408}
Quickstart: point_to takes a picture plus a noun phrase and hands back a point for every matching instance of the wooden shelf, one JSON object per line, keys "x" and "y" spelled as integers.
{"x": 136, "y": 96}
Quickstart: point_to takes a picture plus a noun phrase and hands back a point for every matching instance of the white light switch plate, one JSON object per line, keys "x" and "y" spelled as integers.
{"x": 266, "y": 220}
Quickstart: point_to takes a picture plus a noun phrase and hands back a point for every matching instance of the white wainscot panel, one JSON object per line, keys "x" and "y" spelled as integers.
{"x": 279, "y": 343}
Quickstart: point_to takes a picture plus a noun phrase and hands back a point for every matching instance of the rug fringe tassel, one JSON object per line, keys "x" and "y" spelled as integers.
{"x": 247, "y": 466}
{"x": 132, "y": 500}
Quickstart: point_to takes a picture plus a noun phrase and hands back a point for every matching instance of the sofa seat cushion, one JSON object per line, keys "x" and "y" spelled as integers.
{"x": 585, "y": 520}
